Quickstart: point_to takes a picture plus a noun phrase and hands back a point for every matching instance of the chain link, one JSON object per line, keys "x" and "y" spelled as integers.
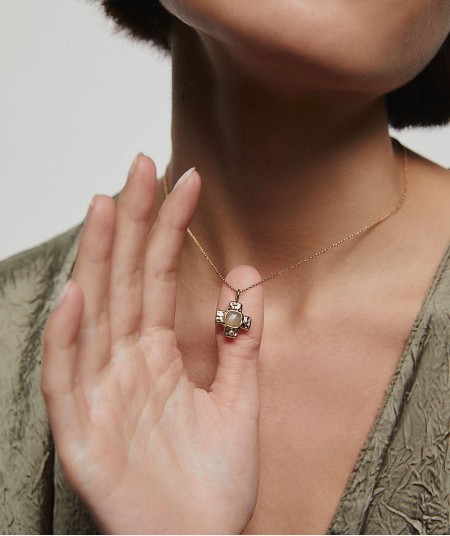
{"x": 314, "y": 255}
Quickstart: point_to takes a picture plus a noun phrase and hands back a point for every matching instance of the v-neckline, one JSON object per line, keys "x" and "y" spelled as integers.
{"x": 383, "y": 424}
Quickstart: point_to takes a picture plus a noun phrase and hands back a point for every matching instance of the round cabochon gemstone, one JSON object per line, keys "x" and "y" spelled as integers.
{"x": 233, "y": 319}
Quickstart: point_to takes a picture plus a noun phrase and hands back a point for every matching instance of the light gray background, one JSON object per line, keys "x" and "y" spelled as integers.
{"x": 76, "y": 104}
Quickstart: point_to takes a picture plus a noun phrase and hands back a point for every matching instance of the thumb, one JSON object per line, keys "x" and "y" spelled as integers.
{"x": 236, "y": 381}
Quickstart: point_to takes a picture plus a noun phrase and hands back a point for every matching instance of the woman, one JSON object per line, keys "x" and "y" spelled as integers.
{"x": 318, "y": 407}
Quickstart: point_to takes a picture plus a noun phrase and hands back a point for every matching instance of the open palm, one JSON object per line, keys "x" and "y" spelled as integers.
{"x": 147, "y": 450}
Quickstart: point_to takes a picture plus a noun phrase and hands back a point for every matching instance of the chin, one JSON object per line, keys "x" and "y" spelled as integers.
{"x": 337, "y": 46}
{"x": 369, "y": 47}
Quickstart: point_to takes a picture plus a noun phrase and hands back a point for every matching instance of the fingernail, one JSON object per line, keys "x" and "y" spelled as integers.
{"x": 89, "y": 210}
{"x": 184, "y": 177}
{"x": 63, "y": 293}
{"x": 91, "y": 206}
{"x": 133, "y": 165}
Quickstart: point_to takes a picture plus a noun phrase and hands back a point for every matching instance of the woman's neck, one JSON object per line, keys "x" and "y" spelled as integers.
{"x": 284, "y": 174}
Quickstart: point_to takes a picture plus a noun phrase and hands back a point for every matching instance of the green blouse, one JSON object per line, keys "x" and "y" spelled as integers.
{"x": 399, "y": 485}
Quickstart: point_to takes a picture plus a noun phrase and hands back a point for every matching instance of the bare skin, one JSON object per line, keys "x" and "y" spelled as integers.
{"x": 323, "y": 372}
{"x": 292, "y": 160}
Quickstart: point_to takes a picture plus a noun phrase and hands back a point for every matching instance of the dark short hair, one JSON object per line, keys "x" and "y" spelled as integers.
{"x": 424, "y": 101}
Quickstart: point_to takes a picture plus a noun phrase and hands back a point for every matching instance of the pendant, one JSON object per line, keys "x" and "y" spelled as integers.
{"x": 233, "y": 319}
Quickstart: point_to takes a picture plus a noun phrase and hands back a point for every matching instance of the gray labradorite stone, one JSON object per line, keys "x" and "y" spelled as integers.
{"x": 233, "y": 319}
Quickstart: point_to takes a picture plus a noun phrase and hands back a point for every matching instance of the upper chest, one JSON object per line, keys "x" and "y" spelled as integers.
{"x": 318, "y": 406}
{"x": 321, "y": 386}
{"x": 324, "y": 377}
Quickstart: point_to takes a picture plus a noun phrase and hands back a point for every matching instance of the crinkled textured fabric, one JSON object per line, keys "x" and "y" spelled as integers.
{"x": 400, "y": 484}
{"x": 401, "y": 481}
{"x": 34, "y": 496}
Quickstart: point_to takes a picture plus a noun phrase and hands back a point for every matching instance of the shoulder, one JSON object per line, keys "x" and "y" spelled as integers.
{"x": 442, "y": 282}
{"x": 40, "y": 265}
{"x": 426, "y": 229}
{"x": 29, "y": 285}
{"x": 432, "y": 210}
{"x": 432, "y": 180}
{"x": 437, "y": 326}
{"x": 45, "y": 256}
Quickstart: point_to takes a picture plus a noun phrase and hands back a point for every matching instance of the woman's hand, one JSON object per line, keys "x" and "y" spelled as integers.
{"x": 146, "y": 450}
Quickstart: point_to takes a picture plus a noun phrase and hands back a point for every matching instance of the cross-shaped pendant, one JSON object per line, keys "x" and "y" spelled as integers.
{"x": 233, "y": 319}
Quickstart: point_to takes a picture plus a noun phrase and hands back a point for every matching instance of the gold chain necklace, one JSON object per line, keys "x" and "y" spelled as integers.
{"x": 232, "y": 318}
